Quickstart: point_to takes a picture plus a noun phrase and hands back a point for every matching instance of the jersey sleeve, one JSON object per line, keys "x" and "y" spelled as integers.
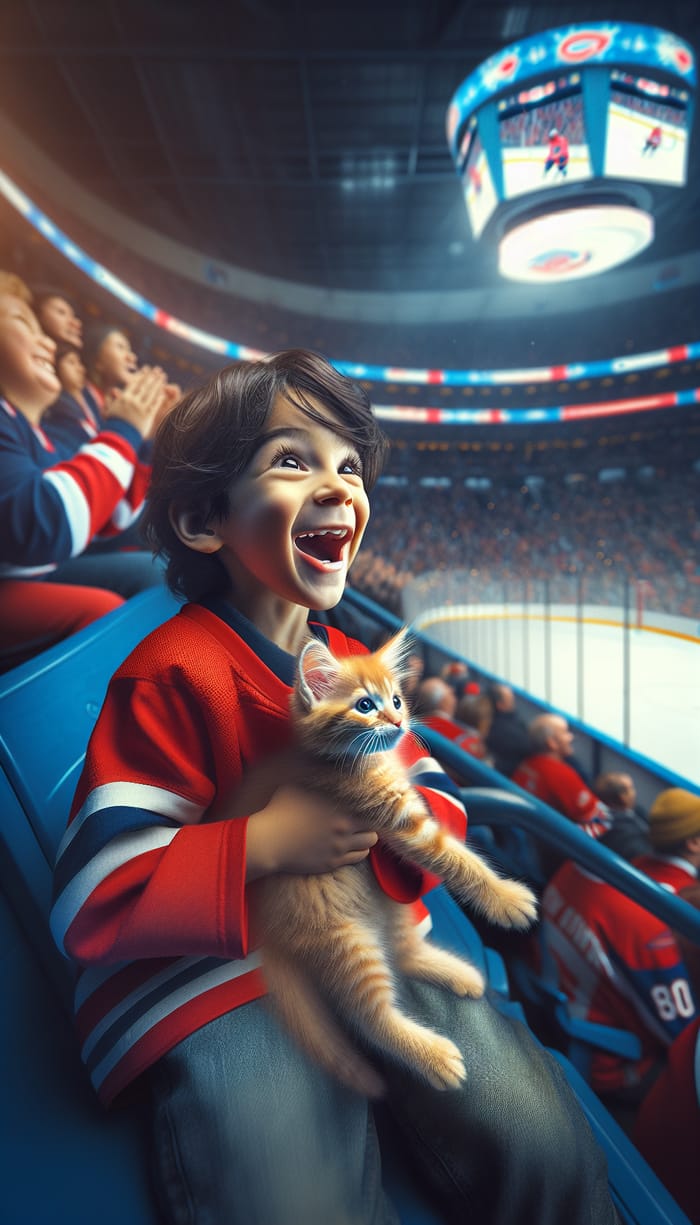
{"x": 51, "y": 514}
{"x": 577, "y": 801}
{"x": 140, "y": 872}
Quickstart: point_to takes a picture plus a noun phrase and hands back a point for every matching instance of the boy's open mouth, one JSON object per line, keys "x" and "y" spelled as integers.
{"x": 324, "y": 546}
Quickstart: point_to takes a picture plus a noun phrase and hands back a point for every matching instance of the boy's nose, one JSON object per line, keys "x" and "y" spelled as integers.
{"x": 335, "y": 491}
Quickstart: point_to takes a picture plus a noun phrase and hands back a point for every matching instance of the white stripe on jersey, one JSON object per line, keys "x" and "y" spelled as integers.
{"x": 133, "y": 795}
{"x": 222, "y": 974}
{"x": 235, "y": 968}
{"x": 109, "y": 457}
{"x": 425, "y": 765}
{"x": 124, "y": 514}
{"x": 75, "y": 506}
{"x": 112, "y": 856}
{"x": 7, "y": 571}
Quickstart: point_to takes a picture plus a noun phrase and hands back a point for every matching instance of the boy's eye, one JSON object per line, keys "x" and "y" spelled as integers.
{"x": 352, "y": 466}
{"x": 365, "y": 705}
{"x": 285, "y": 458}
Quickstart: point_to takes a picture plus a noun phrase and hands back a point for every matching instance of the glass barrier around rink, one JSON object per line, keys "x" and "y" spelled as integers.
{"x": 597, "y": 649}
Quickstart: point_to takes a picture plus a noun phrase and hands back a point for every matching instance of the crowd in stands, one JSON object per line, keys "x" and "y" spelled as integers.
{"x": 620, "y": 966}
{"x": 601, "y": 534}
{"x": 532, "y": 126}
{"x": 74, "y": 469}
{"x": 657, "y": 112}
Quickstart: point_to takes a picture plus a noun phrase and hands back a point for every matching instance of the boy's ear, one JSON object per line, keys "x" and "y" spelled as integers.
{"x": 190, "y": 527}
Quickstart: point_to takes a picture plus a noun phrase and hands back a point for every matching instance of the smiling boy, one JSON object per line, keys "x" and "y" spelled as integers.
{"x": 259, "y": 503}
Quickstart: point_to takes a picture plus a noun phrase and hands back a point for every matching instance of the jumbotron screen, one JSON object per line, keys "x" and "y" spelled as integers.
{"x": 543, "y": 136}
{"x": 647, "y": 130}
{"x": 480, "y": 193}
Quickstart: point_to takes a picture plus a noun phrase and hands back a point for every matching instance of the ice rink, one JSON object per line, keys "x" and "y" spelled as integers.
{"x": 584, "y": 669}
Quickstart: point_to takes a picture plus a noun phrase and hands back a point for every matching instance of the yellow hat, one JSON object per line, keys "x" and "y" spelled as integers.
{"x": 674, "y": 815}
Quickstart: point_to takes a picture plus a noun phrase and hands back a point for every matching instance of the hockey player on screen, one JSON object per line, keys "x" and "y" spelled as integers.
{"x": 557, "y": 153}
{"x": 653, "y": 140}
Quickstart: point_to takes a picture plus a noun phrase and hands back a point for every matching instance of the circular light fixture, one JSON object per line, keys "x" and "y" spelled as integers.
{"x": 572, "y": 243}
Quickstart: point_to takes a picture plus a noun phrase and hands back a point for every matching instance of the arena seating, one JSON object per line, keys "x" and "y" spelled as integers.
{"x": 65, "y": 1160}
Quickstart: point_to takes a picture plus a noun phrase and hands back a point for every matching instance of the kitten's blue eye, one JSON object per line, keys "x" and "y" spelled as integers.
{"x": 397, "y": 701}
{"x": 365, "y": 705}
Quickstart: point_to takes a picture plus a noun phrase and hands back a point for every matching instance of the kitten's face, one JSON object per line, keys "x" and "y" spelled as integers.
{"x": 350, "y": 708}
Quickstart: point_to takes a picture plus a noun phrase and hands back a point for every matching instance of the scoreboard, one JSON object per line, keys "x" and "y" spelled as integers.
{"x": 591, "y": 117}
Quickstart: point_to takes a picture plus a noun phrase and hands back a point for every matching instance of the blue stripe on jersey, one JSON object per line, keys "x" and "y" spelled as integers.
{"x": 437, "y": 780}
{"x": 179, "y": 978}
{"x": 662, "y": 995}
{"x": 99, "y": 829}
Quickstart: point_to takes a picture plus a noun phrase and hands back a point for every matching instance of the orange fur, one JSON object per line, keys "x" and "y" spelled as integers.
{"x": 332, "y": 943}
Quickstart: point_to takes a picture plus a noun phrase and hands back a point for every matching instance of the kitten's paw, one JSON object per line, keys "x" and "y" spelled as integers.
{"x": 466, "y": 980}
{"x": 514, "y": 906}
{"x": 445, "y": 1066}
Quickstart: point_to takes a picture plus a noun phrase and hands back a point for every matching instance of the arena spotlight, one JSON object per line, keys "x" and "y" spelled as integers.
{"x": 566, "y": 142}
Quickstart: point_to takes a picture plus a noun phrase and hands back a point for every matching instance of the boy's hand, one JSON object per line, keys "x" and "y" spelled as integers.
{"x": 301, "y": 831}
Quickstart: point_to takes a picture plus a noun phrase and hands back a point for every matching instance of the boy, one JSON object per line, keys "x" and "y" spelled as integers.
{"x": 259, "y": 503}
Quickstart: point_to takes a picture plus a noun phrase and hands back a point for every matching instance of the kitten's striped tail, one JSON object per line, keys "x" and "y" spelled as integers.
{"x": 315, "y": 1029}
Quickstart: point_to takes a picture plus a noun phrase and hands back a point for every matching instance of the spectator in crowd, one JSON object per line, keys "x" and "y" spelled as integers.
{"x": 436, "y": 706}
{"x": 110, "y": 360}
{"x": 474, "y": 712}
{"x": 57, "y": 317}
{"x": 456, "y": 673}
{"x": 508, "y": 739}
{"x": 620, "y": 965}
{"x": 547, "y": 774}
{"x": 75, "y": 415}
{"x": 628, "y": 835}
{"x": 111, "y": 365}
{"x": 667, "y": 1127}
{"x": 53, "y": 504}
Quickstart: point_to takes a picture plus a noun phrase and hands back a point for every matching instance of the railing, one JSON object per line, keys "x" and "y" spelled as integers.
{"x": 547, "y": 651}
{"x": 495, "y": 800}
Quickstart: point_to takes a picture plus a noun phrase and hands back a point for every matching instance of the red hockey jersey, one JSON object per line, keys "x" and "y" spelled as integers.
{"x": 556, "y": 783}
{"x": 149, "y": 884}
{"x": 618, "y": 964}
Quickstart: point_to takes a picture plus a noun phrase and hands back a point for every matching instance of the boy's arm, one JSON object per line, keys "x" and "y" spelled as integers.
{"x": 140, "y": 873}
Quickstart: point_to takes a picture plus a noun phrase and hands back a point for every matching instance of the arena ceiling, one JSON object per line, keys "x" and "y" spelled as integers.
{"x": 303, "y": 139}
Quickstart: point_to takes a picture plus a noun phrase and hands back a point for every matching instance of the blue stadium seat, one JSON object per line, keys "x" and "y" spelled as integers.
{"x": 640, "y": 1197}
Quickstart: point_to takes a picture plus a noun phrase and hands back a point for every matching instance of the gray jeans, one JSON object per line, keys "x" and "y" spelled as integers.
{"x": 248, "y": 1131}
{"x": 125, "y": 573}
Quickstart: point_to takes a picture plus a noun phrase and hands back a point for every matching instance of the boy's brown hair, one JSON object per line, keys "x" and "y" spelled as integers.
{"x": 214, "y": 431}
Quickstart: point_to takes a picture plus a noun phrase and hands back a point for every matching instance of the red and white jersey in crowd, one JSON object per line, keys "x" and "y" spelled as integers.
{"x": 618, "y": 964}
{"x": 556, "y": 783}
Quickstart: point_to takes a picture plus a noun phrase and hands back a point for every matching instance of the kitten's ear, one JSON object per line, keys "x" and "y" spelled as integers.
{"x": 396, "y": 651}
{"x": 318, "y": 673}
